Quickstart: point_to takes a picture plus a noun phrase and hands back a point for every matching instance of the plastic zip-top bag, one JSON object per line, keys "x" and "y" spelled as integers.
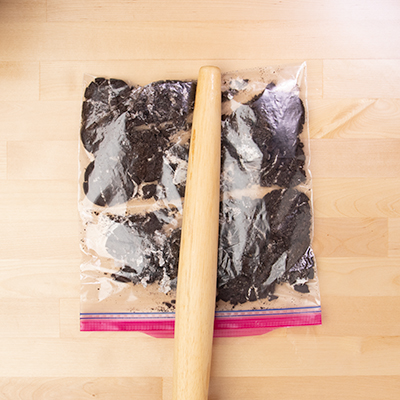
{"x": 133, "y": 160}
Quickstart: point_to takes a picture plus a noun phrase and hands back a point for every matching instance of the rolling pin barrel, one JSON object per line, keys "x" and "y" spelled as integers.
{"x": 197, "y": 273}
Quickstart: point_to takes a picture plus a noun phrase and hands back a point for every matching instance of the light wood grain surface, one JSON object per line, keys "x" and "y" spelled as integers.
{"x": 353, "y": 53}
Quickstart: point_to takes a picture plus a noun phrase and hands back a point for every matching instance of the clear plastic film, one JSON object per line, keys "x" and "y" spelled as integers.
{"x": 132, "y": 161}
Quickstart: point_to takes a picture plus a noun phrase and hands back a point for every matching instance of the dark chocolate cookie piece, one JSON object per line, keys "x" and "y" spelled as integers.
{"x": 128, "y": 246}
{"x": 237, "y": 290}
{"x": 103, "y": 98}
{"x": 261, "y": 143}
{"x": 149, "y": 191}
{"x": 106, "y": 181}
{"x": 301, "y": 272}
{"x": 146, "y": 246}
{"x": 290, "y": 223}
{"x": 244, "y": 236}
{"x": 98, "y": 90}
{"x": 241, "y": 156}
{"x": 280, "y": 117}
{"x": 282, "y": 112}
{"x": 144, "y": 159}
{"x": 171, "y": 255}
{"x": 105, "y": 91}
{"x": 126, "y": 274}
{"x": 280, "y": 168}
{"x": 260, "y": 241}
{"x": 238, "y": 140}
{"x": 164, "y": 102}
{"x": 95, "y": 116}
{"x": 105, "y": 185}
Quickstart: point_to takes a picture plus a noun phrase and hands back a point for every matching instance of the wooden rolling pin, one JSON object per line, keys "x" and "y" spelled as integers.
{"x": 197, "y": 273}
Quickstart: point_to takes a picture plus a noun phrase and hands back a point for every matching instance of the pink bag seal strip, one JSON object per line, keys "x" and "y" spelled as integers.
{"x": 227, "y": 323}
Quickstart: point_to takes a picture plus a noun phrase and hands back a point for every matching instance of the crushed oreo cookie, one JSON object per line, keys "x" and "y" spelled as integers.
{"x": 261, "y": 243}
{"x": 261, "y": 143}
{"x": 134, "y": 135}
{"x": 147, "y": 246}
{"x": 138, "y": 144}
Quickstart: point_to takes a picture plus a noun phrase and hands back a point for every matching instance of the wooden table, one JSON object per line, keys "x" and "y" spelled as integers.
{"x": 353, "y": 53}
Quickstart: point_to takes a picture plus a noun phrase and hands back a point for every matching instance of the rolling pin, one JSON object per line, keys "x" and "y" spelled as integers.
{"x": 198, "y": 258}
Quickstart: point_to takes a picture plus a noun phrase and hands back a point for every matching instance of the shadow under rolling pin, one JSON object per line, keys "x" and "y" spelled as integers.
{"x": 198, "y": 259}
